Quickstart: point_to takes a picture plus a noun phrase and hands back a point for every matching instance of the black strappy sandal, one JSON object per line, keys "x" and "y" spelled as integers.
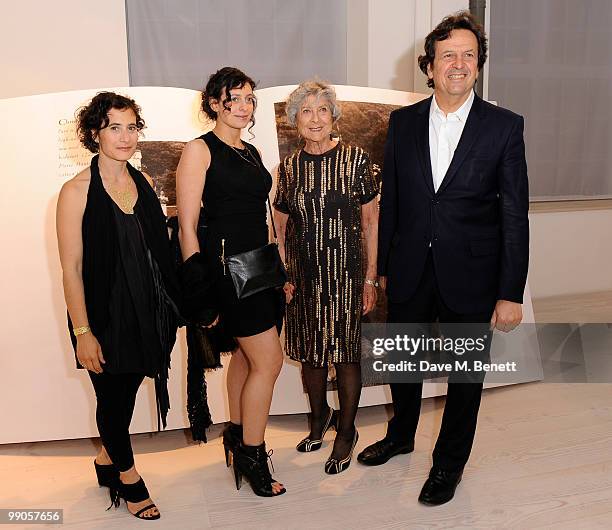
{"x": 138, "y": 492}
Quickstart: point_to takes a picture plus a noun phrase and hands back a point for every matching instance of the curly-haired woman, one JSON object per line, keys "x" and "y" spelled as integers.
{"x": 118, "y": 285}
{"x": 226, "y": 176}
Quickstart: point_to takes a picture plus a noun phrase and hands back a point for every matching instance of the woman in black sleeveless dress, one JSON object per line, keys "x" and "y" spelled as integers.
{"x": 119, "y": 285}
{"x": 227, "y": 177}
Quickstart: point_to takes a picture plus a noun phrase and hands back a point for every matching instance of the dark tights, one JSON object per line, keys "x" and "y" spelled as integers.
{"x": 349, "y": 391}
{"x": 116, "y": 396}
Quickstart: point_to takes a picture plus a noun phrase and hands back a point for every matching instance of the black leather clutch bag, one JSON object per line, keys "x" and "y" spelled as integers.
{"x": 256, "y": 270}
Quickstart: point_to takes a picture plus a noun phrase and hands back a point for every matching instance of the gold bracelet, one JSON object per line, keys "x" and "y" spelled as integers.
{"x": 81, "y": 331}
{"x": 373, "y": 283}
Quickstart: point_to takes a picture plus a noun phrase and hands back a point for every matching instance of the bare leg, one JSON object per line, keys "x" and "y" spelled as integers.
{"x": 265, "y": 360}
{"x": 103, "y": 459}
{"x": 237, "y": 372}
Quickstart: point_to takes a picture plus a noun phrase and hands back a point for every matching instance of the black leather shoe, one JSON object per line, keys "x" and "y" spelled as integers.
{"x": 378, "y": 453}
{"x": 440, "y": 486}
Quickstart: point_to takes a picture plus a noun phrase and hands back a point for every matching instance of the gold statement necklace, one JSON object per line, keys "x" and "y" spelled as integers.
{"x": 124, "y": 198}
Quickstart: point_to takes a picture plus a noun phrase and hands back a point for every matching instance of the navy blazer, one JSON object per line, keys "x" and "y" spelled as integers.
{"x": 476, "y": 222}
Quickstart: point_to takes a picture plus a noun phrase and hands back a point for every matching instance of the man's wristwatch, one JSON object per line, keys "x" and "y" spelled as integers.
{"x": 372, "y": 282}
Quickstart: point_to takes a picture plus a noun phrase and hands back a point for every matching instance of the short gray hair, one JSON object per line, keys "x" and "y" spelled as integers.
{"x": 311, "y": 87}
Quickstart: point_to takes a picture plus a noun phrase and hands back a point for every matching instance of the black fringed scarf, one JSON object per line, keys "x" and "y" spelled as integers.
{"x": 100, "y": 252}
{"x": 204, "y": 345}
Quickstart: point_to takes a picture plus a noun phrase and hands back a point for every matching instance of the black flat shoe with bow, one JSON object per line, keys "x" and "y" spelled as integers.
{"x": 308, "y": 444}
{"x": 333, "y": 466}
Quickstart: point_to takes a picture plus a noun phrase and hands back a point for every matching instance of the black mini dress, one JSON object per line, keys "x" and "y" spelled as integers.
{"x": 234, "y": 207}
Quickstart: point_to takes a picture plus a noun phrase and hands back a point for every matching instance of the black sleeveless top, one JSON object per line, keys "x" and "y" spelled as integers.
{"x": 130, "y": 342}
{"x": 234, "y": 199}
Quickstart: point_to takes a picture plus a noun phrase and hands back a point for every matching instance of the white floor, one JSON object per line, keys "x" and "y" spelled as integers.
{"x": 542, "y": 459}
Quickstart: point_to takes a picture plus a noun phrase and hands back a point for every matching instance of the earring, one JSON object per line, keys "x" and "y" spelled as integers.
{"x": 336, "y": 135}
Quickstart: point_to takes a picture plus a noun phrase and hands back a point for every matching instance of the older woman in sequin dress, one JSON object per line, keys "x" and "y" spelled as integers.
{"x": 325, "y": 201}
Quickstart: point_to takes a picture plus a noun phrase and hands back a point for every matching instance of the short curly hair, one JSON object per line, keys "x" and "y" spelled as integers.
{"x": 226, "y": 78}
{"x": 311, "y": 87}
{"x": 92, "y": 118}
{"x": 460, "y": 20}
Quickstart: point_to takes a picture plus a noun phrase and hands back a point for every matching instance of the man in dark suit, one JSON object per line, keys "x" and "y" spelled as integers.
{"x": 454, "y": 234}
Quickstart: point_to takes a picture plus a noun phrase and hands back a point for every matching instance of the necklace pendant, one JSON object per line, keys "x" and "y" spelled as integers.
{"x": 125, "y": 200}
{"x": 249, "y": 158}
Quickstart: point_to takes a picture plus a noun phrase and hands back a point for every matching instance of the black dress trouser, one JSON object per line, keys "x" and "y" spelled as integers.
{"x": 116, "y": 397}
{"x": 458, "y": 427}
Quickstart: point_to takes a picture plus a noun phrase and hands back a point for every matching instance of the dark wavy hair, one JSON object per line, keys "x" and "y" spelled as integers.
{"x": 226, "y": 78}
{"x": 92, "y": 118}
{"x": 460, "y": 20}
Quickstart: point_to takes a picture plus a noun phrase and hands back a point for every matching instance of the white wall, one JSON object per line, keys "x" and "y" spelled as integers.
{"x": 62, "y": 45}
{"x": 381, "y": 43}
{"x": 571, "y": 252}
{"x": 385, "y": 37}
{"x": 391, "y": 50}
{"x": 357, "y": 39}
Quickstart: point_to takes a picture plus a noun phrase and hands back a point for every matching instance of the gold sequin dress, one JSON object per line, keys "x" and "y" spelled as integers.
{"x": 323, "y": 194}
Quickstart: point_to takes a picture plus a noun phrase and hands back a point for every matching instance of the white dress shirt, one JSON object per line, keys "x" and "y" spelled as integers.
{"x": 444, "y": 135}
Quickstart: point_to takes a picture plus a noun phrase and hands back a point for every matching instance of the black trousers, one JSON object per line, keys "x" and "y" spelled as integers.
{"x": 116, "y": 397}
{"x": 458, "y": 427}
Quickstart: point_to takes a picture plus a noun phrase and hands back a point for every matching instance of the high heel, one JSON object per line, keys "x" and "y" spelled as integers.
{"x": 307, "y": 445}
{"x": 333, "y": 466}
{"x": 232, "y": 436}
{"x": 138, "y": 492}
{"x": 251, "y": 461}
{"x": 107, "y": 474}
{"x": 237, "y": 477}
{"x": 228, "y": 451}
